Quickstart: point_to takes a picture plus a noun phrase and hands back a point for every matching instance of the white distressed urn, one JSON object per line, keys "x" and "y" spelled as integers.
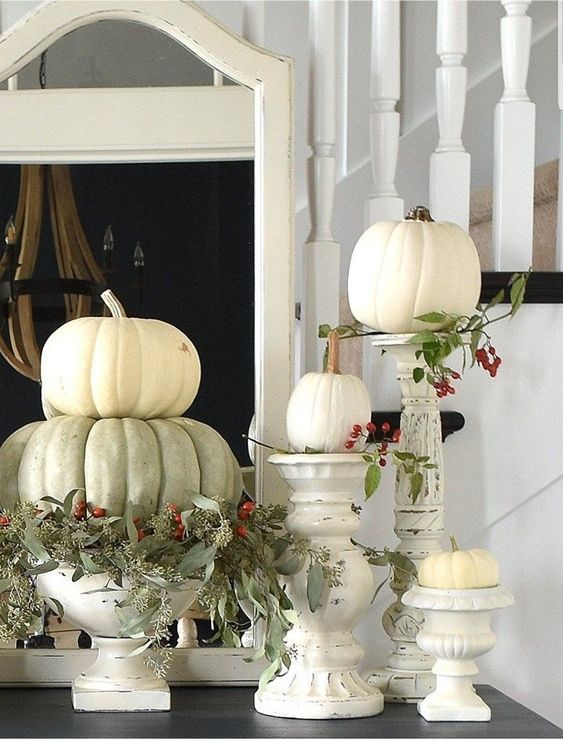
{"x": 323, "y": 679}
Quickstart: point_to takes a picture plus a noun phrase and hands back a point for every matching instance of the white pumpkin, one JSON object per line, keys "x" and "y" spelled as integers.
{"x": 150, "y": 463}
{"x": 456, "y": 569}
{"x": 403, "y": 269}
{"x": 118, "y": 367}
{"x": 324, "y": 407}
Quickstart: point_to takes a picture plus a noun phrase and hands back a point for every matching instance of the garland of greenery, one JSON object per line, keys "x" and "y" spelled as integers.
{"x": 237, "y": 553}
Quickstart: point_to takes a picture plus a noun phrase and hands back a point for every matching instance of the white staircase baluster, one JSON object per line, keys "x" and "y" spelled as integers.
{"x": 514, "y": 146}
{"x": 450, "y": 164}
{"x": 253, "y": 13}
{"x": 322, "y": 252}
{"x": 385, "y": 90}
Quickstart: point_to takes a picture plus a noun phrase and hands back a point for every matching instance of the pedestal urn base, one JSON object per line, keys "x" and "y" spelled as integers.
{"x": 322, "y": 681}
{"x": 118, "y": 680}
{"x": 456, "y": 630}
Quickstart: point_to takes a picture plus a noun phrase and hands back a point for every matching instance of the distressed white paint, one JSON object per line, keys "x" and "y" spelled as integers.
{"x": 450, "y": 164}
{"x": 407, "y": 675}
{"x": 514, "y": 146}
{"x": 384, "y": 120}
{"x": 321, "y": 251}
{"x": 456, "y": 630}
{"x": 323, "y": 679}
{"x": 118, "y": 679}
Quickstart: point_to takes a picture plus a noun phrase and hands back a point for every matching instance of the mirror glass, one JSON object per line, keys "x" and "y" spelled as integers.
{"x": 195, "y": 223}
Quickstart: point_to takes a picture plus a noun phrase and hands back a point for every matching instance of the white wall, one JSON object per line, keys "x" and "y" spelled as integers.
{"x": 504, "y": 471}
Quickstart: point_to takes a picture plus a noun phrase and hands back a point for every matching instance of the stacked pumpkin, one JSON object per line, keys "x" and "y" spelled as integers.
{"x": 113, "y": 390}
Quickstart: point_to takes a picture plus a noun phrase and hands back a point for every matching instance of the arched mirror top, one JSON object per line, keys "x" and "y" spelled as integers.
{"x": 183, "y": 21}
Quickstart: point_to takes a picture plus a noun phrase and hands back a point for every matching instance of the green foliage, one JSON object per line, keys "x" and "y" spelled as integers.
{"x": 237, "y": 564}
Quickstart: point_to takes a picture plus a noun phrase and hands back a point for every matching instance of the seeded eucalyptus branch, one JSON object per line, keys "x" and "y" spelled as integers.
{"x": 239, "y": 554}
{"x": 401, "y": 568}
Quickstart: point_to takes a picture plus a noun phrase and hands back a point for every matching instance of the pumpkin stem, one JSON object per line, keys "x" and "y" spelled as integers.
{"x": 113, "y": 303}
{"x": 333, "y": 359}
{"x": 453, "y": 541}
{"x": 419, "y": 213}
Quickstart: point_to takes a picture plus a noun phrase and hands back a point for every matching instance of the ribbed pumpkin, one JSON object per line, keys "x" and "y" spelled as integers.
{"x": 456, "y": 569}
{"x": 118, "y": 367}
{"x": 403, "y": 269}
{"x": 150, "y": 463}
{"x": 324, "y": 407}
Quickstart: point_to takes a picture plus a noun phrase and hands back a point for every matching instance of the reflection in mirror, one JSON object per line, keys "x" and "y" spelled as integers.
{"x": 194, "y": 222}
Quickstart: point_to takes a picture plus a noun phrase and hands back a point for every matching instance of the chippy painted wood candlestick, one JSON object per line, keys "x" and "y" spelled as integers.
{"x": 407, "y": 676}
{"x": 456, "y": 630}
{"x": 323, "y": 681}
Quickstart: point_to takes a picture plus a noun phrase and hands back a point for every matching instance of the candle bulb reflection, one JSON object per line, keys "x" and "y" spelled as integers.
{"x": 139, "y": 263}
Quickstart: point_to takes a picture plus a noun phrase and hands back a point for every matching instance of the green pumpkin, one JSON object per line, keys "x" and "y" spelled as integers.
{"x": 151, "y": 463}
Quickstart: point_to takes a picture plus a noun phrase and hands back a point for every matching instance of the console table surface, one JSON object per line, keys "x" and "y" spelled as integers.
{"x": 228, "y": 712}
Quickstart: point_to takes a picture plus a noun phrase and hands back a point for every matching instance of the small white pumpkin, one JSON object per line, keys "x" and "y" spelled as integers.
{"x": 455, "y": 569}
{"x": 324, "y": 407}
{"x": 403, "y": 269}
{"x": 118, "y": 367}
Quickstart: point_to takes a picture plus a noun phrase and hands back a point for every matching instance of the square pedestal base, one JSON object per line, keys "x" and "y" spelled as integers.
{"x": 476, "y": 711}
{"x": 121, "y": 701}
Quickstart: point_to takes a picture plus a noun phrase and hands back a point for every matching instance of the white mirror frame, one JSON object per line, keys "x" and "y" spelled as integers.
{"x": 103, "y": 125}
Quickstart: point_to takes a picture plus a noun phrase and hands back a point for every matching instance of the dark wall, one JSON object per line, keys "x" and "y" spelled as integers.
{"x": 195, "y": 225}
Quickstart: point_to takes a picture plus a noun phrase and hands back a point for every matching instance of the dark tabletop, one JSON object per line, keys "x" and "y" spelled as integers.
{"x": 228, "y": 712}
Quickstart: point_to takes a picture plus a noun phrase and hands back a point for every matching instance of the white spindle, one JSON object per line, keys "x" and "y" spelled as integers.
{"x": 322, "y": 252}
{"x": 514, "y": 137}
{"x": 450, "y": 164}
{"x": 385, "y": 91}
{"x": 253, "y": 21}
{"x": 559, "y": 253}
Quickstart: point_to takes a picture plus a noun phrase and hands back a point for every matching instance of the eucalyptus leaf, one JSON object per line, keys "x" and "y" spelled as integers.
{"x": 315, "y": 586}
{"x": 43, "y": 567}
{"x": 5, "y": 584}
{"x": 416, "y": 482}
{"x": 288, "y": 563}
{"x": 89, "y": 564}
{"x": 196, "y": 558}
{"x": 372, "y": 479}
{"x": 59, "y": 610}
{"x": 204, "y": 502}
{"x": 68, "y": 500}
{"x": 33, "y": 545}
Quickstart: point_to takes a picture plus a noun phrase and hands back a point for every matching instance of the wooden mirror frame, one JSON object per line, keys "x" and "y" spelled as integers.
{"x": 225, "y": 122}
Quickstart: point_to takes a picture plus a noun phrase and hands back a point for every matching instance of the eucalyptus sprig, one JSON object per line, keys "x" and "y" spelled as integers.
{"x": 401, "y": 568}
{"x": 238, "y": 554}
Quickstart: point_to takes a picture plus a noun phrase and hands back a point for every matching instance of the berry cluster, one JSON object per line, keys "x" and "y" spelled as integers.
{"x": 177, "y": 524}
{"x": 382, "y": 446}
{"x": 81, "y": 510}
{"x": 443, "y": 385}
{"x": 245, "y": 509}
{"x": 488, "y": 359}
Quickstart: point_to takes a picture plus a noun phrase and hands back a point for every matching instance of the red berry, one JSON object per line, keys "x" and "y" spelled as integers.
{"x": 98, "y": 512}
{"x": 370, "y": 427}
{"x": 382, "y": 462}
{"x": 136, "y": 520}
{"x": 248, "y": 506}
{"x": 456, "y": 376}
{"x": 178, "y": 518}
{"x": 349, "y": 444}
{"x": 396, "y": 435}
{"x": 386, "y": 427}
{"x": 140, "y": 534}
{"x": 492, "y": 350}
{"x": 354, "y": 434}
{"x": 357, "y": 428}
{"x": 241, "y": 531}
{"x": 384, "y": 445}
{"x": 493, "y": 372}
{"x": 242, "y": 514}
{"x": 179, "y": 532}
{"x": 4, "y": 520}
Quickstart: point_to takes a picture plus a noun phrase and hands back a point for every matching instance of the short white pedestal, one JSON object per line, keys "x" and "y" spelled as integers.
{"x": 323, "y": 681}
{"x": 117, "y": 681}
{"x": 456, "y": 630}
